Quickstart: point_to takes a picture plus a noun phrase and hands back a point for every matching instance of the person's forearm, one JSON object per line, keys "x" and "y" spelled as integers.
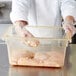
{"x": 69, "y": 19}
{"x": 21, "y": 23}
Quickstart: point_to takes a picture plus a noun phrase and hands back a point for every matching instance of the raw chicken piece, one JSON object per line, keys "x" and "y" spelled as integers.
{"x": 27, "y": 62}
{"x": 16, "y": 56}
{"x": 55, "y": 58}
{"x": 47, "y": 59}
{"x": 31, "y": 42}
{"x": 27, "y": 54}
{"x": 23, "y": 61}
{"x": 41, "y": 57}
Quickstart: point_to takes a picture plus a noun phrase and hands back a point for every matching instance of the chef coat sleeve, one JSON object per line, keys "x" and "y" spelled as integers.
{"x": 68, "y": 7}
{"x": 20, "y": 9}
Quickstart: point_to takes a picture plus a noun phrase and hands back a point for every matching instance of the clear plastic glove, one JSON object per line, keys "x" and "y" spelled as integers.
{"x": 22, "y": 32}
{"x": 70, "y": 30}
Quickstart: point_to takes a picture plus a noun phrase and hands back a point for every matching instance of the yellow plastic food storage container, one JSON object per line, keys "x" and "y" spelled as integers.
{"x": 37, "y": 51}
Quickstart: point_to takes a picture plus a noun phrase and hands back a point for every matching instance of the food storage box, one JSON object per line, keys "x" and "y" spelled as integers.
{"x": 39, "y": 51}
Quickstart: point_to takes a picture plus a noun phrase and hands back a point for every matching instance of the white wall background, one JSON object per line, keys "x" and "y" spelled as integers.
{"x": 5, "y": 0}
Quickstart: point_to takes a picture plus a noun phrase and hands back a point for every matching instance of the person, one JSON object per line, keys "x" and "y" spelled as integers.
{"x": 43, "y": 13}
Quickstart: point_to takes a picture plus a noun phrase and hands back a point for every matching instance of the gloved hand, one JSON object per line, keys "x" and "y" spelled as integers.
{"x": 22, "y": 32}
{"x": 19, "y": 28}
{"x": 70, "y": 30}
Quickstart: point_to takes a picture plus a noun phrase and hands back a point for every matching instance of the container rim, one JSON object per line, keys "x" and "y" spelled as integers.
{"x": 18, "y": 37}
{"x": 6, "y": 36}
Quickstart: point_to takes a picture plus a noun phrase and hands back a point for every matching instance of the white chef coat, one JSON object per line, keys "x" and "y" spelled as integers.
{"x": 42, "y": 12}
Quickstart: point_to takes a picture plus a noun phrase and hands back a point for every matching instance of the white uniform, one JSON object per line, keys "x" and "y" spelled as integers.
{"x": 42, "y": 12}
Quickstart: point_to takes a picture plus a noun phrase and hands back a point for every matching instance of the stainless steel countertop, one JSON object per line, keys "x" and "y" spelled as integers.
{"x": 6, "y": 70}
{"x": 68, "y": 70}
